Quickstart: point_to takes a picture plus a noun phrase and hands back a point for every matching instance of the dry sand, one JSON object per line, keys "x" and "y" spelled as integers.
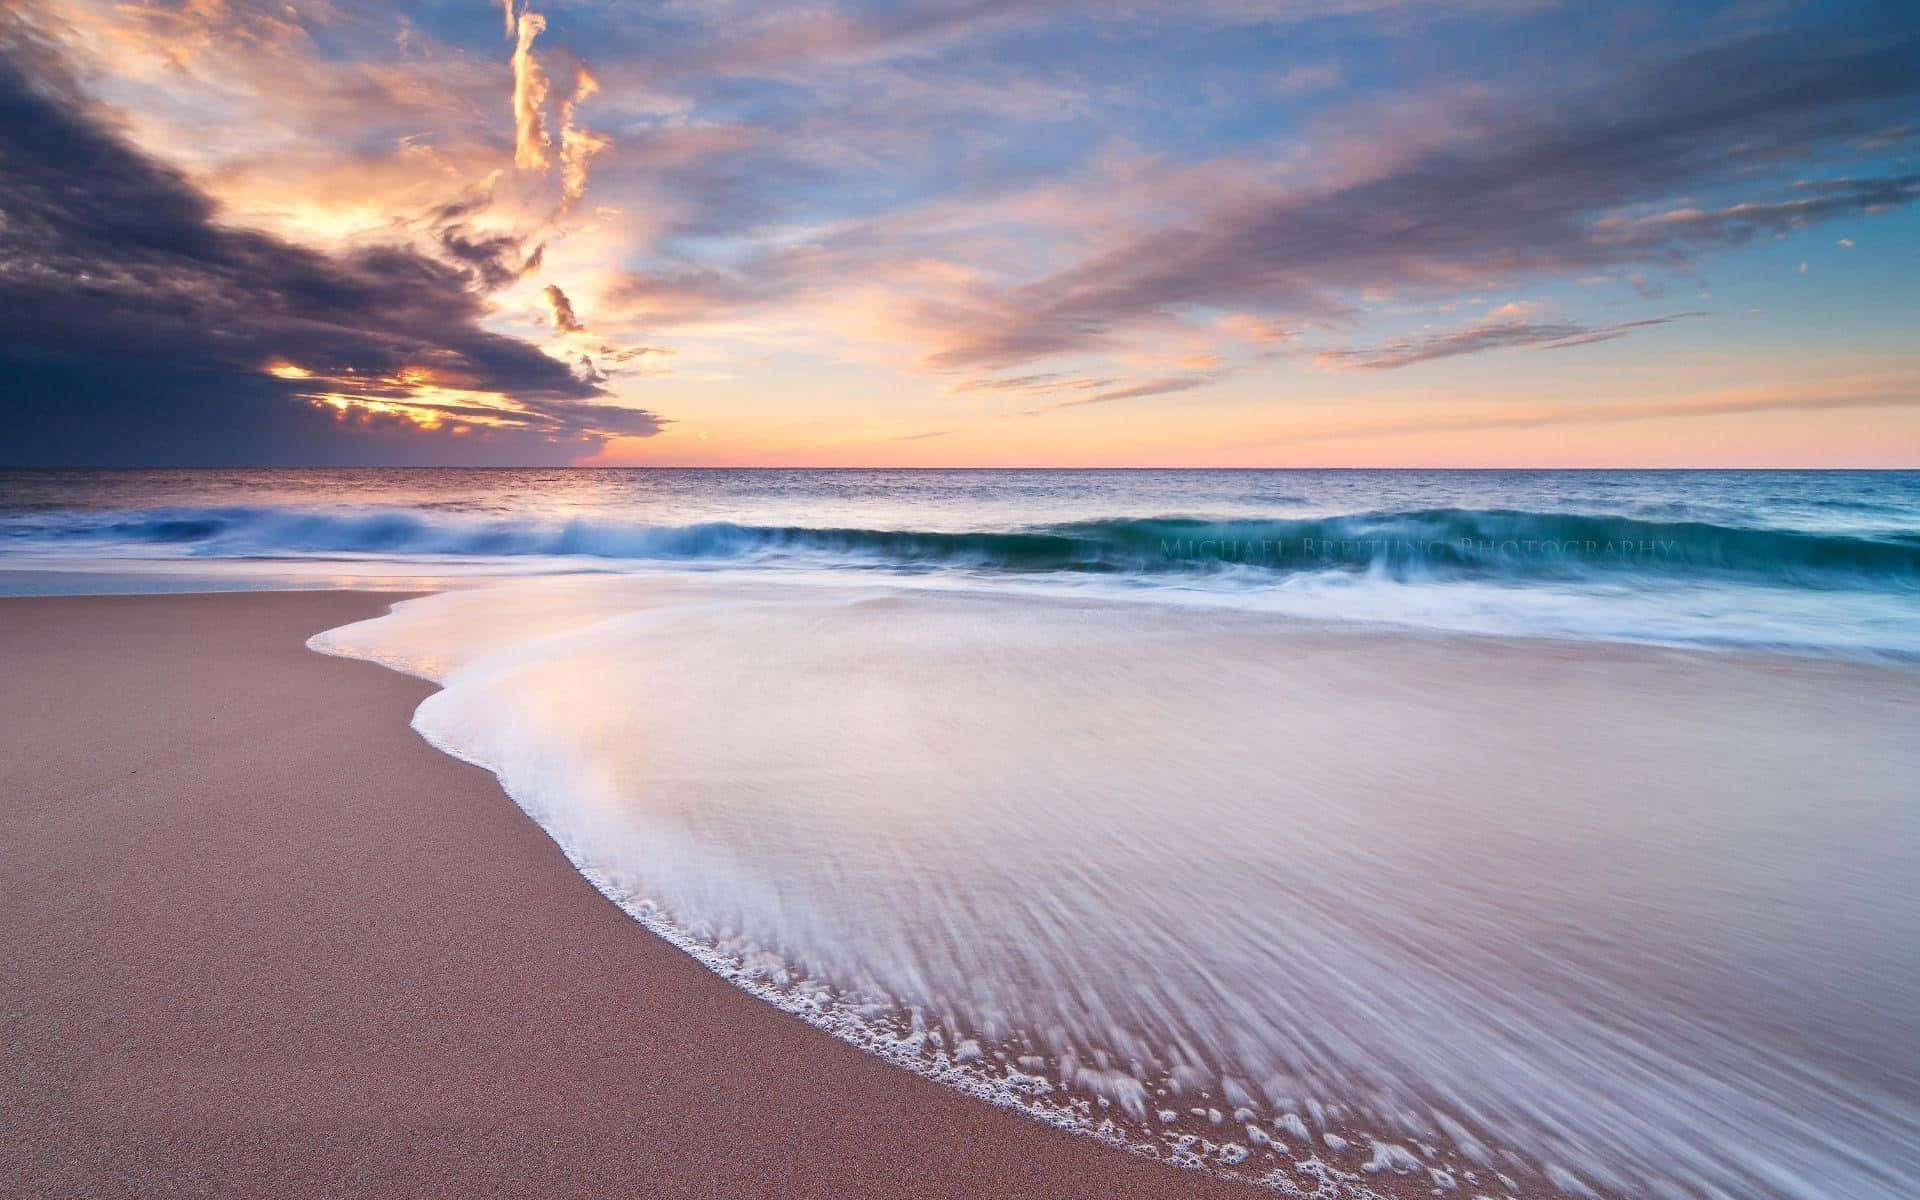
{"x": 258, "y": 938}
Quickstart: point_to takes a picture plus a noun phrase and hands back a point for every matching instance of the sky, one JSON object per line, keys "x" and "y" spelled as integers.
{"x": 960, "y": 233}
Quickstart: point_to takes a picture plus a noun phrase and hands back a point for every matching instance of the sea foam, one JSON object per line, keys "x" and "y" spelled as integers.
{"x": 1599, "y": 916}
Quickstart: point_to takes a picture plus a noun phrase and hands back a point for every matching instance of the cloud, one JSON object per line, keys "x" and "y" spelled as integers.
{"x": 766, "y": 178}
{"x": 1497, "y": 188}
{"x": 1492, "y": 335}
{"x": 530, "y": 87}
{"x": 769, "y": 38}
{"x": 1134, "y": 391}
{"x": 532, "y": 142}
{"x": 1041, "y": 382}
{"x": 563, "y": 319}
{"x": 497, "y": 258}
{"x": 697, "y": 294}
{"x": 1645, "y": 288}
{"x": 113, "y": 268}
{"x": 1258, "y": 330}
{"x": 578, "y": 147}
{"x": 1052, "y": 383}
{"x": 1807, "y": 203}
{"x": 1827, "y": 396}
{"x": 1533, "y": 188}
{"x": 626, "y": 354}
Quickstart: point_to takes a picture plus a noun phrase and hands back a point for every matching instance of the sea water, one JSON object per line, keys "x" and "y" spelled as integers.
{"x": 1499, "y": 833}
{"x": 1806, "y": 560}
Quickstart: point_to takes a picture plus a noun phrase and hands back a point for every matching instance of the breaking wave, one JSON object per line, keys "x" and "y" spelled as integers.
{"x": 1442, "y": 542}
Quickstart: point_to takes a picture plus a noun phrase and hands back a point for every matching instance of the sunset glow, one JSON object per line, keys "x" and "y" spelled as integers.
{"x": 926, "y": 235}
{"x": 873, "y": 599}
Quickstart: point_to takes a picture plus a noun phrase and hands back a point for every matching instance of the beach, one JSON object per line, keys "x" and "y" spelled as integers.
{"x": 936, "y": 599}
{"x": 262, "y": 940}
{"x": 849, "y": 834}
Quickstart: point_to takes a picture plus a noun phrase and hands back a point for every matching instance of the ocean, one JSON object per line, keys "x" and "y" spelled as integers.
{"x": 1515, "y": 832}
{"x": 1806, "y": 560}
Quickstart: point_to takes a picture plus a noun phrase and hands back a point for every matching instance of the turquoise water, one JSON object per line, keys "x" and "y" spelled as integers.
{"x": 1825, "y": 561}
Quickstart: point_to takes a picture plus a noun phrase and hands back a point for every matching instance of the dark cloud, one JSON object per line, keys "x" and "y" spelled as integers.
{"x": 1535, "y": 187}
{"x": 1494, "y": 335}
{"x": 66, "y": 409}
{"x": 125, "y": 304}
{"x": 496, "y": 260}
{"x": 563, "y": 319}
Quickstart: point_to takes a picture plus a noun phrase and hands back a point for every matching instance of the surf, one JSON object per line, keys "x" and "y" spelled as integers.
{"x": 1161, "y": 874}
{"x": 1487, "y": 542}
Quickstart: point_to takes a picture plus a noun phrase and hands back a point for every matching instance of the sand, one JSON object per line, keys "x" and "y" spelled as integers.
{"x": 257, "y": 938}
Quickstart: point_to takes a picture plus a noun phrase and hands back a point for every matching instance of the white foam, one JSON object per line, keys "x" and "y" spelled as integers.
{"x": 1067, "y": 856}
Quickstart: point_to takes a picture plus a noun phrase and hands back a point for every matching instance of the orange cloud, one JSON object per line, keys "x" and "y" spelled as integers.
{"x": 530, "y": 88}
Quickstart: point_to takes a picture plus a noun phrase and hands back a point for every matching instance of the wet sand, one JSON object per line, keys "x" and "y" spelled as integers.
{"x": 258, "y": 938}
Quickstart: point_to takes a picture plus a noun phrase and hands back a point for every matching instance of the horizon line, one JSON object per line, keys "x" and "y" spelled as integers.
{"x": 972, "y": 467}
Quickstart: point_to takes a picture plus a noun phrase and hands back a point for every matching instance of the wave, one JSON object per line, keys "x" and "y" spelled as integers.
{"x": 1439, "y": 542}
{"x": 1182, "y": 928}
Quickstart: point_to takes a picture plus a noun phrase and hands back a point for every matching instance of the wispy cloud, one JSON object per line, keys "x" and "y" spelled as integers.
{"x": 1153, "y": 387}
{"x": 1039, "y": 383}
{"x": 1833, "y": 395}
{"x": 530, "y": 87}
{"x": 1527, "y": 190}
{"x": 1492, "y": 335}
{"x": 1806, "y": 203}
{"x": 578, "y": 147}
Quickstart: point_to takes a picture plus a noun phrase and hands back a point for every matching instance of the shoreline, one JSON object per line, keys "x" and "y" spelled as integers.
{"x": 1676, "y": 722}
{"x": 264, "y": 939}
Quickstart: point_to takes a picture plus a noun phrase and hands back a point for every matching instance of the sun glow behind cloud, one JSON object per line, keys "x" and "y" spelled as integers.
{"x": 424, "y": 405}
{"x": 503, "y": 221}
